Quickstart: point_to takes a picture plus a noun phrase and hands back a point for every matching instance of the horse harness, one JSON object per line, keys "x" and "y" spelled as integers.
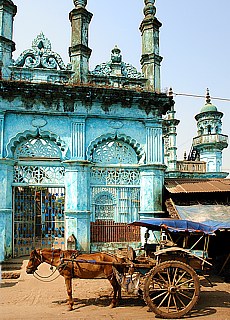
{"x": 64, "y": 263}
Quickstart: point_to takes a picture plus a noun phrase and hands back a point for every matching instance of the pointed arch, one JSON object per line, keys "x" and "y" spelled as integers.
{"x": 45, "y": 137}
{"x": 128, "y": 142}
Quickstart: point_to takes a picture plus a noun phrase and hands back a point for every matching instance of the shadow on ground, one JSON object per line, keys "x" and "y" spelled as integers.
{"x": 104, "y": 302}
{"x": 206, "y": 306}
{"x": 7, "y": 284}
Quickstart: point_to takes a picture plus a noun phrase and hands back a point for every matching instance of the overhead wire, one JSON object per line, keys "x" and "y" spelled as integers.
{"x": 200, "y": 96}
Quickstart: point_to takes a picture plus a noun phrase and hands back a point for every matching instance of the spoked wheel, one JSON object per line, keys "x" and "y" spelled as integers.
{"x": 171, "y": 289}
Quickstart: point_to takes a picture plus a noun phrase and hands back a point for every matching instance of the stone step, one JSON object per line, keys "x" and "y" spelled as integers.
{"x": 10, "y": 274}
{"x": 11, "y": 268}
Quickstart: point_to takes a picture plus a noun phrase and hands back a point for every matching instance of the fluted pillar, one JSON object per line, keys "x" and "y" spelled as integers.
{"x": 78, "y": 138}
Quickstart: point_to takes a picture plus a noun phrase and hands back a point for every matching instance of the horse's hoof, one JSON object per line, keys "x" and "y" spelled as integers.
{"x": 112, "y": 305}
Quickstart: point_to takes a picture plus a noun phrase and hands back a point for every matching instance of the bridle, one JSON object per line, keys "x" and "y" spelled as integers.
{"x": 39, "y": 258}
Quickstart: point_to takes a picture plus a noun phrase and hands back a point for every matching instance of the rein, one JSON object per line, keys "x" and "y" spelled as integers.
{"x": 40, "y": 278}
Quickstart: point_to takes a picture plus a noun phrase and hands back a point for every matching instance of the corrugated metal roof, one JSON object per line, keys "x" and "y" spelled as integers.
{"x": 197, "y": 185}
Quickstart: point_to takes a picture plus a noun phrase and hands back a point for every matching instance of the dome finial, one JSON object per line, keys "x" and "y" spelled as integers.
{"x": 208, "y": 107}
{"x": 170, "y": 92}
{"x": 116, "y": 56}
{"x": 80, "y": 3}
{"x": 149, "y": 9}
{"x": 208, "y": 98}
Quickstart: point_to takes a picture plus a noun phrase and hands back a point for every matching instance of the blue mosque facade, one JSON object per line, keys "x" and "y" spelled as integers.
{"x": 85, "y": 152}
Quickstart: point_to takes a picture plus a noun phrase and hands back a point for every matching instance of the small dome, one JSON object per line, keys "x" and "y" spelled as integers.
{"x": 208, "y": 107}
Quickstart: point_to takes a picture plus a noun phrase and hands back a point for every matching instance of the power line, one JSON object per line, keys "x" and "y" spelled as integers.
{"x": 200, "y": 96}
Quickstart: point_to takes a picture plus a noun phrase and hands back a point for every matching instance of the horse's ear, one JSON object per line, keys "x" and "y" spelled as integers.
{"x": 37, "y": 251}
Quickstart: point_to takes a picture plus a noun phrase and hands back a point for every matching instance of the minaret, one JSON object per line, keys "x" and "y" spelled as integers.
{"x": 170, "y": 124}
{"x": 151, "y": 60}
{"x": 210, "y": 142}
{"x": 79, "y": 51}
{"x": 7, "y": 12}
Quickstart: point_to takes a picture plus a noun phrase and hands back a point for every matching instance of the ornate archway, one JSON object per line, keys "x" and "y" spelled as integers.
{"x": 37, "y": 143}
{"x": 117, "y": 147}
{"x": 115, "y": 188}
{"x": 38, "y": 190}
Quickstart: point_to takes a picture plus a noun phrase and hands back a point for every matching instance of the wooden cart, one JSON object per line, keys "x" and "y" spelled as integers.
{"x": 166, "y": 273}
{"x": 169, "y": 269}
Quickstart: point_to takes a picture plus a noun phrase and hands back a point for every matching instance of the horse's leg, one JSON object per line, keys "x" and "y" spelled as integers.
{"x": 116, "y": 289}
{"x": 119, "y": 291}
{"x": 68, "y": 283}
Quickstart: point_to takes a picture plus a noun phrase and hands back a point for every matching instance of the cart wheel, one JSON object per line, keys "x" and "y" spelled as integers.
{"x": 171, "y": 289}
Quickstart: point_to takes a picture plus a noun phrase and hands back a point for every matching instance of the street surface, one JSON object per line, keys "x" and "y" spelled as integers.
{"x": 28, "y": 298}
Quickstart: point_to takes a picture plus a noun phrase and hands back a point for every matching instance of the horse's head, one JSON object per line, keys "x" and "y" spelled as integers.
{"x": 34, "y": 262}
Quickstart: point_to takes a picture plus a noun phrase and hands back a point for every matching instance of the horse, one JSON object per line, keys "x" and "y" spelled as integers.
{"x": 71, "y": 264}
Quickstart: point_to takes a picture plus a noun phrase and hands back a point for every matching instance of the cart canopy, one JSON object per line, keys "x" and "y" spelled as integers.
{"x": 215, "y": 216}
{"x": 175, "y": 225}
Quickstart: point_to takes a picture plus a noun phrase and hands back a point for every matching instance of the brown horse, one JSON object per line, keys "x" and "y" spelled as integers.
{"x": 70, "y": 265}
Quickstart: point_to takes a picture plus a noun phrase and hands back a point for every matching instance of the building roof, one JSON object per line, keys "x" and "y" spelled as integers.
{"x": 197, "y": 185}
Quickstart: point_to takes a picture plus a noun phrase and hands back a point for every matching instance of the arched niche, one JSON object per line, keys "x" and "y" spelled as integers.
{"x": 37, "y": 144}
{"x": 119, "y": 148}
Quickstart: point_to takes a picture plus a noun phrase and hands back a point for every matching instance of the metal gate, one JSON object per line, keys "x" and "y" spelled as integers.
{"x": 38, "y": 218}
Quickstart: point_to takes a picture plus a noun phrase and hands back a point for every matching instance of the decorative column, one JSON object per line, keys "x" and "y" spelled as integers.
{"x": 79, "y": 51}
{"x": 78, "y": 139}
{"x": 151, "y": 60}
{"x": 77, "y": 205}
{"x": 152, "y": 182}
{"x": 6, "y": 217}
{"x": 1, "y": 134}
{"x": 7, "y": 12}
{"x": 152, "y": 174}
{"x": 170, "y": 124}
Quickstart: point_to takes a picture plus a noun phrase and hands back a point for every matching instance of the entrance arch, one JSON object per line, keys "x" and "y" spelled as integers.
{"x": 38, "y": 191}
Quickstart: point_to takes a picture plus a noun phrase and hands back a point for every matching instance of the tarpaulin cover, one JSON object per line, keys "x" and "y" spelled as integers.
{"x": 175, "y": 225}
{"x": 216, "y": 216}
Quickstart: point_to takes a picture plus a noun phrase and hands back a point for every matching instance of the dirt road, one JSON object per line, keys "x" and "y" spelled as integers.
{"x": 29, "y": 298}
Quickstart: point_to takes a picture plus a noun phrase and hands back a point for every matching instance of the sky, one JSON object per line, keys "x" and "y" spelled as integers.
{"x": 194, "y": 44}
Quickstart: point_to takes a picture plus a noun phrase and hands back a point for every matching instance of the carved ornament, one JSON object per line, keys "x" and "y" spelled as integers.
{"x": 106, "y": 69}
{"x": 40, "y": 56}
